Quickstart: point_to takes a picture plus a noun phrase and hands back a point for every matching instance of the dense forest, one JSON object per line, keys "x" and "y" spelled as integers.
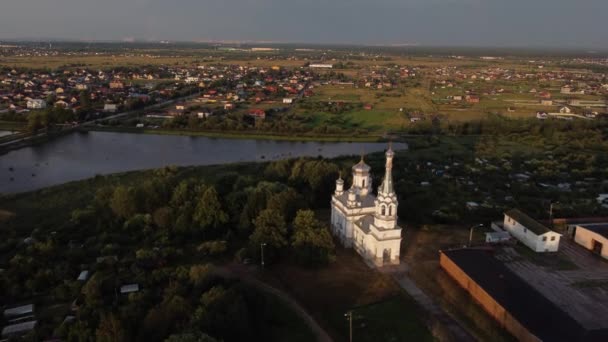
{"x": 164, "y": 233}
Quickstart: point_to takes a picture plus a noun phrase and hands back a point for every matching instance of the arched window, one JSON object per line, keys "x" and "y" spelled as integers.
{"x": 383, "y": 210}
{"x": 390, "y": 210}
{"x": 363, "y": 183}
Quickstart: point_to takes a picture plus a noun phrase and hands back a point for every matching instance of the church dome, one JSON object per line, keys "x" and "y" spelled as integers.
{"x": 361, "y": 167}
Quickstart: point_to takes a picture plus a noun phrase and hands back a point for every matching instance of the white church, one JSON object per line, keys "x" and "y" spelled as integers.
{"x": 366, "y": 222}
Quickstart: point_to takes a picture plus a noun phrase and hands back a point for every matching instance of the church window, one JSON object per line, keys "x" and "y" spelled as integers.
{"x": 383, "y": 210}
{"x": 363, "y": 183}
{"x": 390, "y": 210}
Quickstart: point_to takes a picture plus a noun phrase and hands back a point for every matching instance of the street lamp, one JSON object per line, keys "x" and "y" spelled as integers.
{"x": 262, "y": 247}
{"x": 471, "y": 233}
{"x": 349, "y": 316}
{"x": 551, "y": 213}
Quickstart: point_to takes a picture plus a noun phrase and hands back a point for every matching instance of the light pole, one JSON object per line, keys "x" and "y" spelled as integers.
{"x": 262, "y": 247}
{"x": 471, "y": 233}
{"x": 551, "y": 213}
{"x": 349, "y": 316}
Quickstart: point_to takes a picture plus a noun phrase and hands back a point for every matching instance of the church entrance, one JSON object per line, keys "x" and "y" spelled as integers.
{"x": 386, "y": 256}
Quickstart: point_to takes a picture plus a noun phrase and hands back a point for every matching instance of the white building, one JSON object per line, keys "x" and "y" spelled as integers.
{"x": 288, "y": 100}
{"x": 321, "y": 66}
{"x": 18, "y": 329}
{"x": 110, "y": 108}
{"x": 130, "y": 288}
{"x": 366, "y": 222}
{"x": 530, "y": 232}
{"x": 594, "y": 237}
{"x": 36, "y": 104}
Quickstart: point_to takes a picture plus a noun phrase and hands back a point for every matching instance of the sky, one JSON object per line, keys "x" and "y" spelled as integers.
{"x": 496, "y": 23}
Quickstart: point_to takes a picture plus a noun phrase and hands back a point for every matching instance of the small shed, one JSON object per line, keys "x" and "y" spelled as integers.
{"x": 130, "y": 288}
{"x": 83, "y": 276}
{"x": 19, "y": 311}
{"x": 18, "y": 329}
{"x": 497, "y": 237}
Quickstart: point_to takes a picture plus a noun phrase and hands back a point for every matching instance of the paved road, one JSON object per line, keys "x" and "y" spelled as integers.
{"x": 244, "y": 274}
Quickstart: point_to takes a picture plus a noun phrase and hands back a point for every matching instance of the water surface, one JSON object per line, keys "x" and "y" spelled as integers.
{"x": 83, "y": 155}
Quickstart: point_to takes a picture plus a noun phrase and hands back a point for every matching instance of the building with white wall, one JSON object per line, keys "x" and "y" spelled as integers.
{"x": 36, "y": 104}
{"x": 594, "y": 237}
{"x": 530, "y": 232}
{"x": 321, "y": 66}
{"x": 365, "y": 222}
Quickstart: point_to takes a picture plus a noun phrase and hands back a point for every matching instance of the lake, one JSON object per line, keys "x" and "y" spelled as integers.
{"x": 83, "y": 155}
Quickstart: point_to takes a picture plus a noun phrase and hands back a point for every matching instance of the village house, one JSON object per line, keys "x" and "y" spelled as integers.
{"x": 36, "y": 104}
{"x": 592, "y": 236}
{"x": 110, "y": 108}
{"x": 116, "y": 85}
{"x": 530, "y": 232}
{"x": 257, "y": 113}
{"x": 472, "y": 99}
{"x": 545, "y": 102}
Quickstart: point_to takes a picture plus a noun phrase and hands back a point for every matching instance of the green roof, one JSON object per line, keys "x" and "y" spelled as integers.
{"x": 527, "y": 221}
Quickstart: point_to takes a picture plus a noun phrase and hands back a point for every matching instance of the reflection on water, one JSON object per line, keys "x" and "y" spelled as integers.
{"x": 83, "y": 155}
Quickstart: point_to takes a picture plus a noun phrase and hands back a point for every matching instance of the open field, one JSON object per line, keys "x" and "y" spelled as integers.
{"x": 243, "y": 135}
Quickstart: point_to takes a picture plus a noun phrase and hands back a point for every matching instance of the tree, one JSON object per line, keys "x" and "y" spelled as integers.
{"x": 162, "y": 217}
{"x": 79, "y": 332}
{"x": 92, "y": 291}
{"x": 208, "y": 212}
{"x": 286, "y": 203}
{"x": 200, "y": 274}
{"x": 110, "y": 329}
{"x": 223, "y": 313}
{"x": 311, "y": 241}
{"x": 124, "y": 202}
{"x": 270, "y": 229}
{"x": 37, "y": 120}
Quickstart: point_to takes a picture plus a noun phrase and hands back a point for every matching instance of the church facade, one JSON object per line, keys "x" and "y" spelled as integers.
{"x": 366, "y": 222}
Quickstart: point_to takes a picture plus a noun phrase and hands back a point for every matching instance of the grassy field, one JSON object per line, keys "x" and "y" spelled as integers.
{"x": 202, "y": 57}
{"x": 380, "y": 307}
{"x": 370, "y": 322}
{"x": 245, "y": 135}
{"x": 388, "y": 106}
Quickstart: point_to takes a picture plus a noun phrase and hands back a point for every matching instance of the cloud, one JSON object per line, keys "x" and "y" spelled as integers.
{"x": 430, "y": 22}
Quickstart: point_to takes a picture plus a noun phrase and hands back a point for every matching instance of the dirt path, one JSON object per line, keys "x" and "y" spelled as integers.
{"x": 245, "y": 274}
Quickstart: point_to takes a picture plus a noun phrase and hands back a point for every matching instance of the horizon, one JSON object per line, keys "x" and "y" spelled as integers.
{"x": 303, "y": 44}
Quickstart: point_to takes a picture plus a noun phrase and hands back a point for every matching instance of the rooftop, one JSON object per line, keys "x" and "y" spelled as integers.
{"x": 599, "y": 228}
{"x": 18, "y": 328}
{"x": 361, "y": 166}
{"x": 366, "y": 201}
{"x": 19, "y": 310}
{"x": 537, "y": 313}
{"x": 527, "y": 221}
